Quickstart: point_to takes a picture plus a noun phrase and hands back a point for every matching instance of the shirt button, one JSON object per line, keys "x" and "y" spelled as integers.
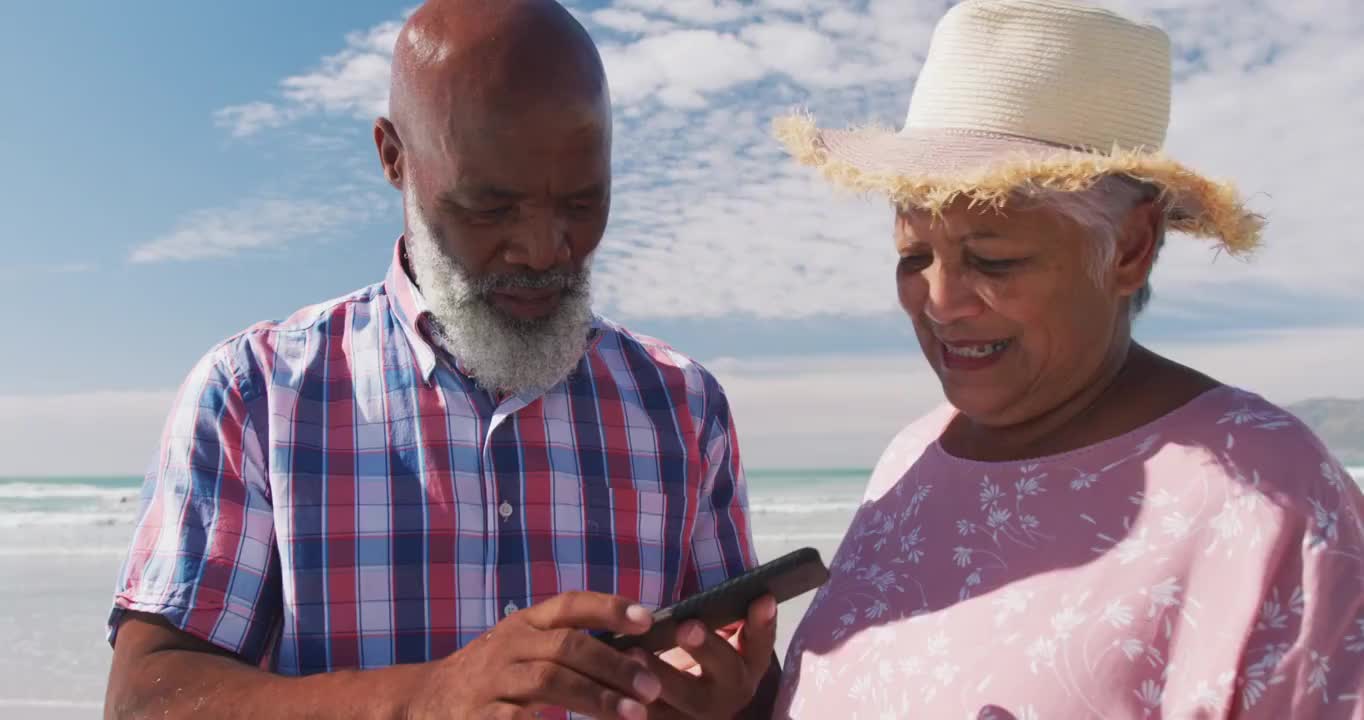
{"x": 505, "y": 510}
{"x": 511, "y": 608}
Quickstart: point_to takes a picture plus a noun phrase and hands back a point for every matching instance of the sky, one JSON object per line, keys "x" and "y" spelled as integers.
{"x": 179, "y": 171}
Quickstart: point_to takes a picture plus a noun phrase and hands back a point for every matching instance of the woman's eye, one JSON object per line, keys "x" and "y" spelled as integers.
{"x": 995, "y": 267}
{"x": 914, "y": 263}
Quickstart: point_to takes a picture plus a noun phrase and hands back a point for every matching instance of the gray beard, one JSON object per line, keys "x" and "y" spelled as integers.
{"x": 501, "y": 353}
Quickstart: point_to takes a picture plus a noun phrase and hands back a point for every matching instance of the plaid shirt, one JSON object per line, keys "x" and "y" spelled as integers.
{"x": 333, "y": 492}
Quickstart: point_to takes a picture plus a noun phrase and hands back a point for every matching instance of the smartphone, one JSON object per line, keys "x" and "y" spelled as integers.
{"x": 788, "y": 576}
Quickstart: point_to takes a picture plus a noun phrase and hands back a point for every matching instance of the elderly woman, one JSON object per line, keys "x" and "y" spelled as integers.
{"x": 1086, "y": 529}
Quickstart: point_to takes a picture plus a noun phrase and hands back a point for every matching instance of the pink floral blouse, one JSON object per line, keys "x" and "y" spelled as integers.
{"x": 1208, "y": 565}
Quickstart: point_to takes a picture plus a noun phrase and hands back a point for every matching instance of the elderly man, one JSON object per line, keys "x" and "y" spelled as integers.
{"x": 415, "y": 501}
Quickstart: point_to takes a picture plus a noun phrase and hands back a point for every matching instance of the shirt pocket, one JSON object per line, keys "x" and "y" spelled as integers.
{"x": 621, "y": 541}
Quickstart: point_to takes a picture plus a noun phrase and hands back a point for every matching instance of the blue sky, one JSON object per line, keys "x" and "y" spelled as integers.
{"x": 181, "y": 170}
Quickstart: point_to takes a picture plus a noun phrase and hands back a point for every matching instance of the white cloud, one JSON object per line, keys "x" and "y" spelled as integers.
{"x": 267, "y": 224}
{"x": 679, "y": 68}
{"x": 813, "y": 411}
{"x": 705, "y": 12}
{"x": 628, "y": 21}
{"x": 1267, "y": 94}
{"x": 251, "y": 118}
{"x": 351, "y": 82}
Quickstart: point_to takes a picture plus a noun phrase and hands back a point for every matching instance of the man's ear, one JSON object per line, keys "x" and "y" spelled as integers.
{"x": 1138, "y": 243}
{"x": 390, "y": 148}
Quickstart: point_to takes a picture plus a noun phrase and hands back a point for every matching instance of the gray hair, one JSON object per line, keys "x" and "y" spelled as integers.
{"x": 1102, "y": 209}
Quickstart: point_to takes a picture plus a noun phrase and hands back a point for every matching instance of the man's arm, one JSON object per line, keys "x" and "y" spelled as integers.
{"x": 161, "y": 671}
{"x": 533, "y": 660}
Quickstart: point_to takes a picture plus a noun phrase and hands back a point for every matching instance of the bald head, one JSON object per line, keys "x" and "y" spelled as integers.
{"x": 499, "y": 137}
{"x": 466, "y": 60}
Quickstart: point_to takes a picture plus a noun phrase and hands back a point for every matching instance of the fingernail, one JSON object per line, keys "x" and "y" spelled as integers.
{"x": 647, "y": 687}
{"x": 639, "y": 656}
{"x": 768, "y": 611}
{"x": 690, "y": 635}
{"x": 630, "y": 710}
{"x": 639, "y": 614}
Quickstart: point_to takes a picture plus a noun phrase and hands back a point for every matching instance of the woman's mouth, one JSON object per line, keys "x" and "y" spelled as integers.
{"x": 973, "y": 355}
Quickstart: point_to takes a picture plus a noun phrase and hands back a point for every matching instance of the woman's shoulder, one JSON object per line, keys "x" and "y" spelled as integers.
{"x": 1265, "y": 449}
{"x": 907, "y": 448}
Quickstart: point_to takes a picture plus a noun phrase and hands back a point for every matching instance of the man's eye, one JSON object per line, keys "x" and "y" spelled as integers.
{"x": 496, "y": 214}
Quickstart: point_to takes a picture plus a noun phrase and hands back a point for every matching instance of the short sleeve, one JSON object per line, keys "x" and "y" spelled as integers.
{"x": 202, "y": 554}
{"x": 1304, "y": 658}
{"x": 722, "y": 542}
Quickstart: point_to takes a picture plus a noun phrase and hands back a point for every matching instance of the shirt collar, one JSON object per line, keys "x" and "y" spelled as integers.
{"x": 418, "y": 323}
{"x": 411, "y": 311}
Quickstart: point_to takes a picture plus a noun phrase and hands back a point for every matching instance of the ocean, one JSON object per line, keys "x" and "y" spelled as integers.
{"x": 62, "y": 541}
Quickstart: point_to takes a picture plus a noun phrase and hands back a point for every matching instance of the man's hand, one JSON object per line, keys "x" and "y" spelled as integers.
{"x": 714, "y": 675}
{"x": 539, "y": 658}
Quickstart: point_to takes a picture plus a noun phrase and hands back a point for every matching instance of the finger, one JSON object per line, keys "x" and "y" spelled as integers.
{"x": 684, "y": 693}
{"x": 593, "y": 659}
{"x": 547, "y": 683}
{"x": 590, "y": 611}
{"x": 758, "y": 638}
{"x": 722, "y": 683}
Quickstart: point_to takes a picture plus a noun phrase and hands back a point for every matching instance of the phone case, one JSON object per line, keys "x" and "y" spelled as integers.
{"x": 786, "y": 577}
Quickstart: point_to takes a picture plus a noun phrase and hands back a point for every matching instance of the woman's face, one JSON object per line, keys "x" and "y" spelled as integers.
{"x": 1005, "y": 308}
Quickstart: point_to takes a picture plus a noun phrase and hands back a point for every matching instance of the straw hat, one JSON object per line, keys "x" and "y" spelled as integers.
{"x": 1029, "y": 94}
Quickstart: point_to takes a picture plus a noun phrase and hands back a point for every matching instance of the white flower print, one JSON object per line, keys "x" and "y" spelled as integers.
{"x": 1205, "y": 697}
{"x": 1261, "y": 419}
{"x": 998, "y": 520}
{"x": 1029, "y": 523}
{"x": 1228, "y": 523}
{"x": 1162, "y": 595}
{"x": 1084, "y": 481}
{"x": 1258, "y": 676}
{"x": 1163, "y": 499}
{"x": 1325, "y": 528}
{"x": 989, "y": 494}
{"x": 1333, "y": 476}
{"x": 1272, "y": 615}
{"x": 1356, "y": 640}
{"x": 945, "y": 673}
{"x": 1117, "y": 614}
{"x": 965, "y": 527}
{"x": 1028, "y": 487}
{"x": 1013, "y": 602}
{"x": 1134, "y": 547}
{"x": 909, "y": 545}
{"x": 1316, "y": 680}
{"x": 1176, "y": 524}
{"x": 1149, "y": 695}
{"x": 886, "y": 670}
{"x": 1041, "y": 653}
{"x": 912, "y": 666}
{"x": 961, "y": 556}
{"x": 1132, "y": 648}
{"x": 1065, "y": 622}
{"x": 861, "y": 687}
{"x": 937, "y": 645}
